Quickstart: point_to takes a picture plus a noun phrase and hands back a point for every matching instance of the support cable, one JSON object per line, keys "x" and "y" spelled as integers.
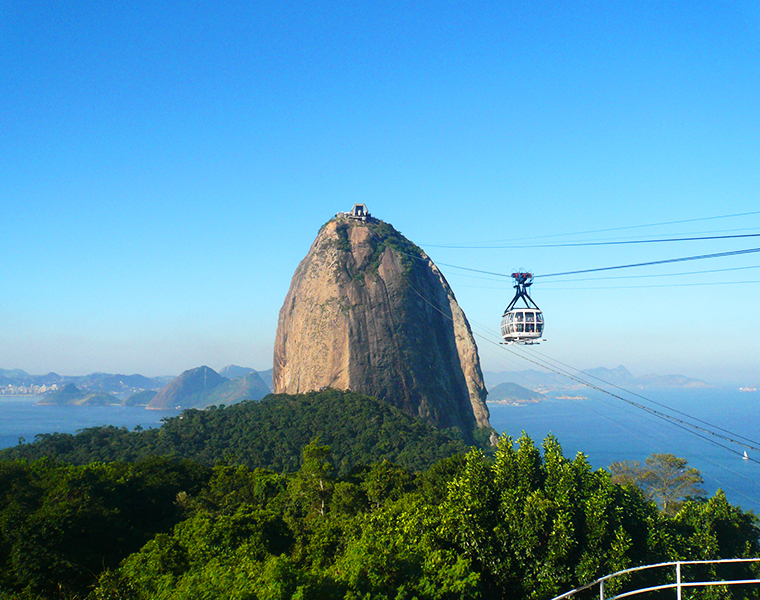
{"x": 676, "y": 422}
{"x": 604, "y": 243}
{"x": 606, "y": 230}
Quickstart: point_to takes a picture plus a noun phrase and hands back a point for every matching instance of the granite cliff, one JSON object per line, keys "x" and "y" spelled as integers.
{"x": 368, "y": 311}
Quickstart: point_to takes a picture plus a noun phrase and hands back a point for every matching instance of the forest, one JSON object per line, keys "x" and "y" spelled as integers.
{"x": 522, "y": 522}
{"x": 267, "y": 434}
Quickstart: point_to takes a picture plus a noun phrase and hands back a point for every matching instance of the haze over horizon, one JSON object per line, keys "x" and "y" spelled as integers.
{"x": 166, "y": 167}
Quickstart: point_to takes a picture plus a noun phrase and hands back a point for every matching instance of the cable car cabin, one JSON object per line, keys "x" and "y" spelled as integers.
{"x": 522, "y": 325}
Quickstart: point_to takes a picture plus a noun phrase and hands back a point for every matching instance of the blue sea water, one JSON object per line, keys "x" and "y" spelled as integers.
{"x": 603, "y": 428}
{"x": 606, "y": 429}
{"x": 22, "y": 417}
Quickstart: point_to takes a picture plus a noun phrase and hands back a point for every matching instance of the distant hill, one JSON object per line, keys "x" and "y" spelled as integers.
{"x": 104, "y": 382}
{"x": 184, "y": 391}
{"x": 250, "y": 387}
{"x": 203, "y": 387}
{"x": 270, "y": 434}
{"x": 551, "y": 382}
{"x": 19, "y": 377}
{"x": 511, "y": 393}
{"x": 71, "y": 394}
{"x": 140, "y": 398}
{"x": 14, "y": 374}
{"x": 266, "y": 377}
{"x": 233, "y": 371}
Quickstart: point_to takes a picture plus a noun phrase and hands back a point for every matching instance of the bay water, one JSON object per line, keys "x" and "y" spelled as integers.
{"x": 607, "y": 429}
{"x": 603, "y": 428}
{"x": 22, "y": 418}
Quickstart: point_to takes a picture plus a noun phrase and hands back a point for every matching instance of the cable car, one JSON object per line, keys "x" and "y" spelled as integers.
{"x": 522, "y": 325}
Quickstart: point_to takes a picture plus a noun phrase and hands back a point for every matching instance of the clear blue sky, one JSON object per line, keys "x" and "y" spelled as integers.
{"x": 165, "y": 166}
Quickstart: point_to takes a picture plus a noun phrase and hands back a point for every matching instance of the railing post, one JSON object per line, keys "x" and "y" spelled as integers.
{"x": 678, "y": 580}
{"x": 601, "y": 590}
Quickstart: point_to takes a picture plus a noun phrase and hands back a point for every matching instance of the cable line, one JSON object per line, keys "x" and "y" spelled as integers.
{"x": 666, "y": 274}
{"x": 629, "y": 266}
{"x": 661, "y": 285}
{"x": 724, "y": 270}
{"x": 660, "y": 404}
{"x": 663, "y": 416}
{"x": 624, "y": 287}
{"x": 641, "y": 434}
{"x": 554, "y": 235}
{"x": 656, "y": 262}
{"x": 674, "y": 421}
{"x": 608, "y": 242}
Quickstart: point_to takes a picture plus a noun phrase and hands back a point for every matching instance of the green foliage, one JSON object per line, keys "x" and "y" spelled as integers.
{"x": 527, "y": 523}
{"x": 664, "y": 478}
{"x": 60, "y": 525}
{"x": 268, "y": 434}
{"x": 344, "y": 244}
{"x": 391, "y": 238}
{"x": 534, "y": 526}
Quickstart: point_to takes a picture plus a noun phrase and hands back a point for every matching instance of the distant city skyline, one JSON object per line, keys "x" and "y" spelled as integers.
{"x": 166, "y": 167}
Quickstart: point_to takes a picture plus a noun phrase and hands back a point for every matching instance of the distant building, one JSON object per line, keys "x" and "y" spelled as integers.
{"x": 358, "y": 213}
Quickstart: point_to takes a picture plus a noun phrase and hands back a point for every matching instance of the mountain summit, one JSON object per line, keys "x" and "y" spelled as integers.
{"x": 368, "y": 311}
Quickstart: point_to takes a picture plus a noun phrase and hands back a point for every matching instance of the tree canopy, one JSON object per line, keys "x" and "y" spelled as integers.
{"x": 268, "y": 434}
{"x": 527, "y": 523}
{"x": 334, "y": 495}
{"x": 664, "y": 478}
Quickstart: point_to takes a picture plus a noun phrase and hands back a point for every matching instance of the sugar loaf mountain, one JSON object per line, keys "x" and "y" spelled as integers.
{"x": 368, "y": 311}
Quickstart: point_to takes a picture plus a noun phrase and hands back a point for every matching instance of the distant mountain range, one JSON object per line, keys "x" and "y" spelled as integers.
{"x": 195, "y": 388}
{"x": 18, "y": 381}
{"x": 541, "y": 381}
{"x": 202, "y": 387}
{"x": 234, "y": 383}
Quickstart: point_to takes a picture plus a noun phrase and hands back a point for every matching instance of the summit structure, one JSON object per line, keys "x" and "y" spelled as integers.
{"x": 368, "y": 311}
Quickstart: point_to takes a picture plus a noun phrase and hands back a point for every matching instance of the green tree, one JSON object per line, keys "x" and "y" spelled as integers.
{"x": 314, "y": 483}
{"x": 664, "y": 478}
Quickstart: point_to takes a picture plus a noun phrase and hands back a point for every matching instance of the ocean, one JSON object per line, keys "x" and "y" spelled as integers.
{"x": 606, "y": 430}
{"x": 22, "y": 417}
{"x": 602, "y": 428}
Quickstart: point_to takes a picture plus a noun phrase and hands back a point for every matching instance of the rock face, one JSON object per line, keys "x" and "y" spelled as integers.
{"x": 368, "y": 311}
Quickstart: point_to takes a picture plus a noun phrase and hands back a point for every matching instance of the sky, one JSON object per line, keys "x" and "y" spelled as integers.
{"x": 165, "y": 167}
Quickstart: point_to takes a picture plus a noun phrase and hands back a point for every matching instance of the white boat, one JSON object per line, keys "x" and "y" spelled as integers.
{"x": 745, "y": 457}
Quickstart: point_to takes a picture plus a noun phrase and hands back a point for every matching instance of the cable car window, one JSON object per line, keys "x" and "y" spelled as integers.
{"x": 520, "y": 327}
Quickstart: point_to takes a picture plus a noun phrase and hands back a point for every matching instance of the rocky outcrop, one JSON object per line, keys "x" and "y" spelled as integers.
{"x": 368, "y": 311}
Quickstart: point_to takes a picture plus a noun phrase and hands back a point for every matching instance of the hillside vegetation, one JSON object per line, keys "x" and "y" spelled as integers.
{"x": 268, "y": 434}
{"x": 525, "y": 524}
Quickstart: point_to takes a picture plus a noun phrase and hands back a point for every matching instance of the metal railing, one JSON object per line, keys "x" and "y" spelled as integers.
{"x": 678, "y": 584}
